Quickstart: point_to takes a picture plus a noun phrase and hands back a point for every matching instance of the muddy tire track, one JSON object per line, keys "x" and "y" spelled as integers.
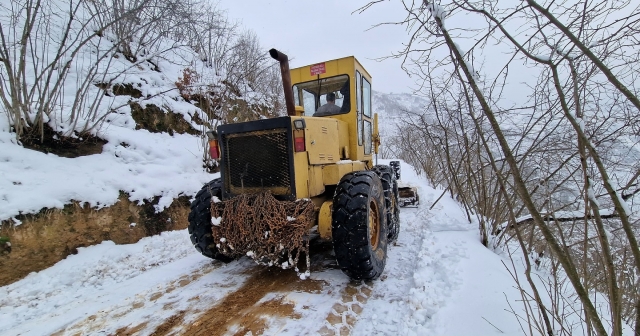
{"x": 243, "y": 310}
{"x": 344, "y": 314}
{"x": 103, "y": 319}
{"x": 240, "y": 299}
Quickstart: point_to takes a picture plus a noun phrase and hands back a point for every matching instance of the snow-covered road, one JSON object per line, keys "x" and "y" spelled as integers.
{"x": 439, "y": 280}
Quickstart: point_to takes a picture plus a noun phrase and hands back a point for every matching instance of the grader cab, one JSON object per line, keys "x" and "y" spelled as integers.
{"x": 283, "y": 178}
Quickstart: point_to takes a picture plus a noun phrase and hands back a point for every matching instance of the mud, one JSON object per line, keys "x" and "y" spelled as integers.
{"x": 255, "y": 321}
{"x": 95, "y": 323}
{"x": 241, "y": 311}
{"x": 46, "y": 140}
{"x": 344, "y": 314}
{"x": 169, "y": 324}
{"x": 130, "y": 331}
{"x": 45, "y": 238}
{"x": 260, "y": 304}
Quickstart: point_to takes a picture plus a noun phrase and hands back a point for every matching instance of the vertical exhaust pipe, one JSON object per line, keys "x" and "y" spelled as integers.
{"x": 286, "y": 80}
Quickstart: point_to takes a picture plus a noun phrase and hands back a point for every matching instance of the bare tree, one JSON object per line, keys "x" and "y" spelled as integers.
{"x": 550, "y": 172}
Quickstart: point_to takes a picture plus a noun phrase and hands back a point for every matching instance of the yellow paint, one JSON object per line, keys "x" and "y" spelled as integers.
{"x": 324, "y": 220}
{"x": 322, "y": 140}
{"x": 332, "y": 174}
{"x": 301, "y": 171}
{"x": 349, "y": 66}
{"x": 316, "y": 185}
{"x": 359, "y": 165}
{"x": 331, "y": 143}
{"x": 343, "y": 133}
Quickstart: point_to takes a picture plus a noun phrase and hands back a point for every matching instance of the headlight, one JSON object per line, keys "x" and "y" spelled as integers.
{"x": 299, "y": 124}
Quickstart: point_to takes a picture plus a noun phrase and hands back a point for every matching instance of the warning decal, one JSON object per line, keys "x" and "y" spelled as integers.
{"x": 318, "y": 69}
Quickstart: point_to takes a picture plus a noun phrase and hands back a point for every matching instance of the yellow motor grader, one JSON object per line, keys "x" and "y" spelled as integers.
{"x": 284, "y": 178}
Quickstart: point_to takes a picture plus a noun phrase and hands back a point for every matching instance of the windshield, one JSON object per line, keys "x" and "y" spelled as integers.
{"x": 313, "y": 96}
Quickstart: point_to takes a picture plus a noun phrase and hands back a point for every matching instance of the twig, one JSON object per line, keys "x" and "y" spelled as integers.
{"x": 436, "y": 202}
{"x": 492, "y": 324}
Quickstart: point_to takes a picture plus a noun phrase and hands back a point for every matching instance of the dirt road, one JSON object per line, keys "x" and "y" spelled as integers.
{"x": 239, "y": 298}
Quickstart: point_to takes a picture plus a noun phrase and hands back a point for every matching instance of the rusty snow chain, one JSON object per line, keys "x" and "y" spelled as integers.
{"x": 271, "y": 232}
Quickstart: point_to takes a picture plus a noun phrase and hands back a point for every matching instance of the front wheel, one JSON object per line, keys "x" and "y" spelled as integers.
{"x": 359, "y": 225}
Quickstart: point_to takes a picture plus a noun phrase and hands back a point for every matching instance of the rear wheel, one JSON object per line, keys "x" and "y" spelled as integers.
{"x": 359, "y": 225}
{"x": 200, "y": 221}
{"x": 390, "y": 186}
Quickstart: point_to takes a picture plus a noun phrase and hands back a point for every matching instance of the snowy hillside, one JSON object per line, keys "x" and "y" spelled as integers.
{"x": 107, "y": 83}
{"x": 396, "y": 104}
{"x": 393, "y": 109}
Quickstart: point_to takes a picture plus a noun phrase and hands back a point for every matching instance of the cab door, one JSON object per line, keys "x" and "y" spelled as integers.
{"x": 365, "y": 114}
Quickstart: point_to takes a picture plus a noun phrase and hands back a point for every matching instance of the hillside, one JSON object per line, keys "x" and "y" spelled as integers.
{"x": 101, "y": 137}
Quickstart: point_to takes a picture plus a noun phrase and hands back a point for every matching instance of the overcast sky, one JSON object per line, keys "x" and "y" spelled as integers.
{"x": 312, "y": 31}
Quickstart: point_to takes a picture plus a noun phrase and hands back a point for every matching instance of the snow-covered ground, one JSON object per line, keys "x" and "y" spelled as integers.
{"x": 439, "y": 280}
{"x": 141, "y": 163}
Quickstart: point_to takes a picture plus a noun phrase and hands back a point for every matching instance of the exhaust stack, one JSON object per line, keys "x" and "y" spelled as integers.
{"x": 286, "y": 80}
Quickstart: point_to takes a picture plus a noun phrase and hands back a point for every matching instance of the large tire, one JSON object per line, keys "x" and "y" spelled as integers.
{"x": 390, "y": 186}
{"x": 359, "y": 225}
{"x": 200, "y": 221}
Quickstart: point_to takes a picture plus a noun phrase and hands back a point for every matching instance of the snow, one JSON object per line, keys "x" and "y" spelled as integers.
{"x": 144, "y": 165}
{"x": 437, "y": 11}
{"x": 82, "y": 283}
{"x": 566, "y": 214}
{"x": 439, "y": 279}
{"x": 543, "y": 57}
{"x": 436, "y": 273}
{"x": 140, "y": 163}
{"x": 591, "y": 194}
{"x": 624, "y": 204}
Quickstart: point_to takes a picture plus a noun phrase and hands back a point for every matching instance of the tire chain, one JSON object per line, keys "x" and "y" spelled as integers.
{"x": 387, "y": 177}
{"x": 271, "y": 232}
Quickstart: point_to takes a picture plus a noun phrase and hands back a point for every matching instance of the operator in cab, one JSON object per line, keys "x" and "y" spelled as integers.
{"x": 330, "y": 108}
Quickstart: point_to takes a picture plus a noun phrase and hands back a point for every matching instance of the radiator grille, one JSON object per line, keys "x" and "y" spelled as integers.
{"x": 257, "y": 161}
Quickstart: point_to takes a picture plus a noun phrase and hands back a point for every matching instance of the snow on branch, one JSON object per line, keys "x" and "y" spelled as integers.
{"x": 567, "y": 216}
{"x": 436, "y": 10}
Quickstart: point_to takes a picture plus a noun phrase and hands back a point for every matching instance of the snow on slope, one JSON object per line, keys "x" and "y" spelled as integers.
{"x": 140, "y": 163}
{"x": 395, "y": 104}
{"x": 393, "y": 107}
{"x": 439, "y": 280}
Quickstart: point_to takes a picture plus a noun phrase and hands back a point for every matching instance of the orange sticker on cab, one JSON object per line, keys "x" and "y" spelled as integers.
{"x": 318, "y": 69}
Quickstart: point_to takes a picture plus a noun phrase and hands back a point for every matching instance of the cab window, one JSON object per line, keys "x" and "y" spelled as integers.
{"x": 366, "y": 97}
{"x": 313, "y": 94}
{"x": 359, "y": 105}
